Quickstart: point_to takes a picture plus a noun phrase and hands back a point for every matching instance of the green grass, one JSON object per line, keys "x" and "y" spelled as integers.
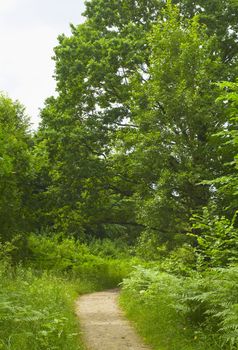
{"x": 151, "y": 300}
{"x": 161, "y": 328}
{"x": 37, "y": 311}
{"x": 171, "y": 312}
{"x": 37, "y": 299}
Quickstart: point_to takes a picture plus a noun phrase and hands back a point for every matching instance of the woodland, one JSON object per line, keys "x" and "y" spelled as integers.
{"x": 131, "y": 179}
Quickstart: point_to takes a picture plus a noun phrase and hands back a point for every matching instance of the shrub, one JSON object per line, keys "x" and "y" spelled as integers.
{"x": 111, "y": 249}
{"x": 67, "y": 255}
{"x": 149, "y": 247}
{"x": 180, "y": 261}
{"x": 217, "y": 239}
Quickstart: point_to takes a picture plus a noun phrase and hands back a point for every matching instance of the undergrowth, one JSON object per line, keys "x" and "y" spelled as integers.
{"x": 184, "y": 313}
{"x": 175, "y": 305}
{"x": 101, "y": 263}
{"x": 37, "y": 296}
{"x": 37, "y": 311}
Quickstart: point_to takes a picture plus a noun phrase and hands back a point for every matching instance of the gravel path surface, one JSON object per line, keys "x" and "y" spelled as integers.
{"x": 103, "y": 325}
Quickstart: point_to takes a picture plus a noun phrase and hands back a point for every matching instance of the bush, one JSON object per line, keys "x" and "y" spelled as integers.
{"x": 111, "y": 249}
{"x": 67, "y": 255}
{"x": 217, "y": 239}
{"x": 180, "y": 261}
{"x": 37, "y": 297}
{"x": 149, "y": 247}
{"x": 150, "y": 298}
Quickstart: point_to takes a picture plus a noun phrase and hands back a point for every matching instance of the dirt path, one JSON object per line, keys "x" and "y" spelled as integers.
{"x": 103, "y": 324}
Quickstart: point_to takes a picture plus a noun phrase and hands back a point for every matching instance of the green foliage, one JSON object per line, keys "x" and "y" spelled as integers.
{"x": 15, "y": 168}
{"x": 124, "y": 146}
{"x": 90, "y": 196}
{"x": 139, "y": 137}
{"x": 149, "y": 247}
{"x": 111, "y": 249}
{"x": 227, "y": 184}
{"x": 219, "y": 18}
{"x": 128, "y": 139}
{"x": 152, "y": 299}
{"x": 180, "y": 261}
{"x": 213, "y": 296}
{"x": 37, "y": 298}
{"x": 87, "y": 263}
{"x": 217, "y": 239}
{"x": 36, "y": 311}
{"x": 193, "y": 312}
{"x": 175, "y": 112}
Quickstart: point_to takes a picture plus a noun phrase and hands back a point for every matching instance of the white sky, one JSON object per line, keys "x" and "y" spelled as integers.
{"x": 28, "y": 34}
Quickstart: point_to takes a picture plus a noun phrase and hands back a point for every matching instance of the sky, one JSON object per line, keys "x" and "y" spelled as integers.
{"x": 28, "y": 34}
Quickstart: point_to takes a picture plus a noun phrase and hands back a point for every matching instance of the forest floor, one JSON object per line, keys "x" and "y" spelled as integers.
{"x": 103, "y": 324}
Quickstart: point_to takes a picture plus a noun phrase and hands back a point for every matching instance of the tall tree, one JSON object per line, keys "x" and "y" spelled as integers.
{"x": 15, "y": 168}
{"x": 175, "y": 111}
{"x": 95, "y": 135}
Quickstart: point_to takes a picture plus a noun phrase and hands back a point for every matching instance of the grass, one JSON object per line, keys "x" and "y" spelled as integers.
{"x": 171, "y": 312}
{"x": 160, "y": 327}
{"x": 37, "y": 300}
{"x": 37, "y": 311}
{"x": 149, "y": 301}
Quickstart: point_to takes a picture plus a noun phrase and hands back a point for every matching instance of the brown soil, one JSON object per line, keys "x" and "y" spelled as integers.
{"x": 103, "y": 324}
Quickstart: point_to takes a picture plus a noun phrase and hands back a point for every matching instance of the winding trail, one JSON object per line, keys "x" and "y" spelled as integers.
{"x": 103, "y": 324}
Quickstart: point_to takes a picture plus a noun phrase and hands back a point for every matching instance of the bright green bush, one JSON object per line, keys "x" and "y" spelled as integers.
{"x": 181, "y": 261}
{"x": 67, "y": 255}
{"x": 111, "y": 249}
{"x": 217, "y": 239}
{"x": 150, "y": 299}
{"x": 149, "y": 247}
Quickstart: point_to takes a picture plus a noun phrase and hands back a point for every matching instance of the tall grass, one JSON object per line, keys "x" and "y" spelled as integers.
{"x": 37, "y": 297}
{"x": 177, "y": 310}
{"x": 37, "y": 311}
{"x": 184, "y": 313}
